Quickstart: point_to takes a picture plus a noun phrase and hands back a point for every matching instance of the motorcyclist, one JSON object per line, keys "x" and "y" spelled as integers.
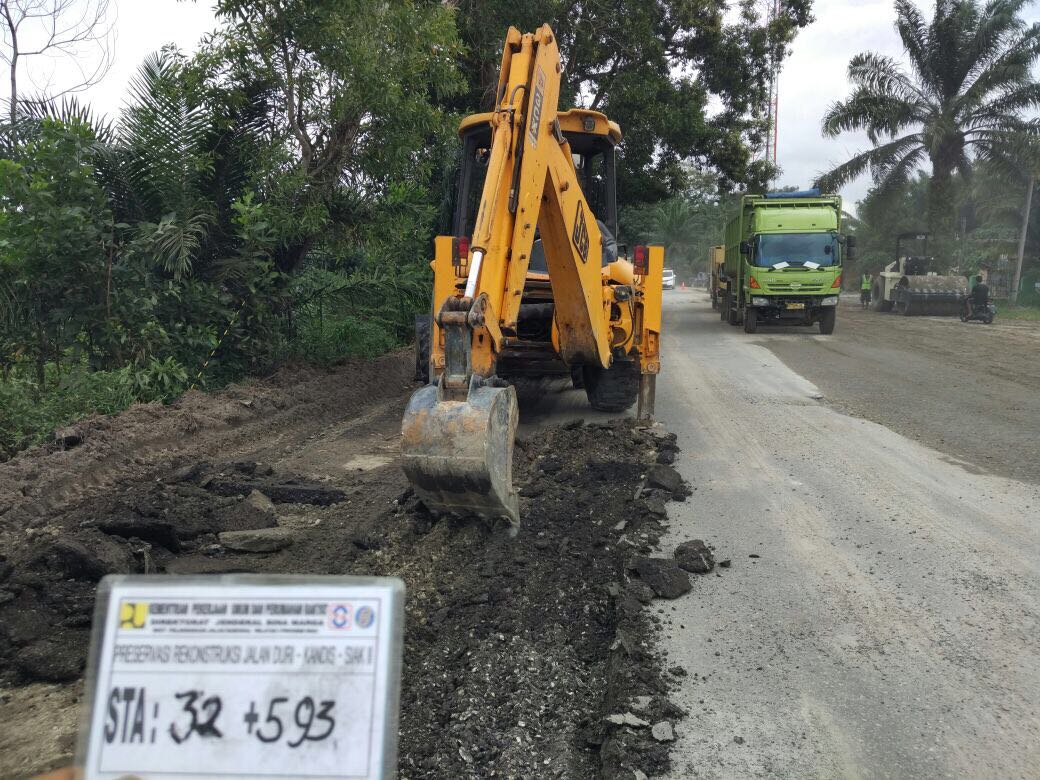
{"x": 979, "y": 296}
{"x": 864, "y": 290}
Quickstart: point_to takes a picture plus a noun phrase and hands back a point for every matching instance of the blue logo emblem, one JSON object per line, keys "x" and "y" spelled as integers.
{"x": 339, "y": 616}
{"x": 365, "y": 617}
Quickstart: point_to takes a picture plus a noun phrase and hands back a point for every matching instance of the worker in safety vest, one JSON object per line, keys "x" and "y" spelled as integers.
{"x": 864, "y": 290}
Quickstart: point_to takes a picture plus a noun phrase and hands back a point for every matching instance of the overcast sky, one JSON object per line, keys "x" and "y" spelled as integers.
{"x": 143, "y": 27}
{"x": 812, "y": 77}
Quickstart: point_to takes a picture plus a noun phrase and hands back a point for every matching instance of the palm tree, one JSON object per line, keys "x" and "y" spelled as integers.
{"x": 673, "y": 223}
{"x": 969, "y": 83}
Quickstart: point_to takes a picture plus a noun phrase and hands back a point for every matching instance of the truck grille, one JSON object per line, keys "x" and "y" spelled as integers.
{"x": 800, "y": 288}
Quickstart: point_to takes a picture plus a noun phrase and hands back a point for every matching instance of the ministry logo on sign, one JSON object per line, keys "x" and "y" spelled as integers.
{"x": 365, "y": 617}
{"x": 133, "y": 614}
{"x": 339, "y": 616}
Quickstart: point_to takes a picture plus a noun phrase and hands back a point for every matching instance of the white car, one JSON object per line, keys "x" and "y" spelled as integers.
{"x": 668, "y": 279}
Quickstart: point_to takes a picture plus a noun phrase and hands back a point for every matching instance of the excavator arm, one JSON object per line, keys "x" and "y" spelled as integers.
{"x": 532, "y": 183}
{"x": 458, "y": 433}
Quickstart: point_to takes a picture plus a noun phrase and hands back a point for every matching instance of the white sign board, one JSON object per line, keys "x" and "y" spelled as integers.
{"x": 244, "y": 677}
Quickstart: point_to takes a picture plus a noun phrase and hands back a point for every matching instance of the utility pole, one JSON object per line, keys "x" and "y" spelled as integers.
{"x": 773, "y": 108}
{"x": 1016, "y": 279}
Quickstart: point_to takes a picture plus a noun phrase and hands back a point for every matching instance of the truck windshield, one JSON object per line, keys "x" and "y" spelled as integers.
{"x": 796, "y": 249}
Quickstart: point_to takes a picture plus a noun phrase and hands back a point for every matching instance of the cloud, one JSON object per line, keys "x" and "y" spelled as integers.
{"x": 814, "y": 77}
{"x": 144, "y": 27}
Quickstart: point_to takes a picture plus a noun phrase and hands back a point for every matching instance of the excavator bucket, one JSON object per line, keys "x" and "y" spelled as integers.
{"x": 458, "y": 455}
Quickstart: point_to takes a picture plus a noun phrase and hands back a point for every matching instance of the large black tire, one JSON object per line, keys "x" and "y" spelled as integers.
{"x": 423, "y": 335}
{"x": 750, "y": 320}
{"x": 723, "y": 307}
{"x": 877, "y": 299}
{"x": 612, "y": 389}
{"x": 578, "y": 377}
{"x": 715, "y": 301}
{"x": 830, "y": 316}
{"x": 732, "y": 313}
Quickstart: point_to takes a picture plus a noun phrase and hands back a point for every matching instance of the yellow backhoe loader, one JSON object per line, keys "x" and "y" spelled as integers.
{"x": 530, "y": 284}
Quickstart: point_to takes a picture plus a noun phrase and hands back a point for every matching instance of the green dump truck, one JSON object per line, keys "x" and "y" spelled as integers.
{"x": 784, "y": 253}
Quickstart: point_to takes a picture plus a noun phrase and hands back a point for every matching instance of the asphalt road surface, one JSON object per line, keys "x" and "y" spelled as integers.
{"x": 880, "y": 616}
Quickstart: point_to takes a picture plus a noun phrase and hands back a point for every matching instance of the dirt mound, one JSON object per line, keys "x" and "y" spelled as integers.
{"x": 524, "y": 657}
{"x": 146, "y": 438}
{"x": 48, "y": 580}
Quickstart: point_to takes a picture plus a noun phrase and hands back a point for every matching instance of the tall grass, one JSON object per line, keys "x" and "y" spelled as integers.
{"x": 1018, "y": 312}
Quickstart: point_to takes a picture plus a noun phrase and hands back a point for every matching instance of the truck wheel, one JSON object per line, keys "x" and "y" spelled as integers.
{"x": 830, "y": 316}
{"x": 750, "y": 320}
{"x": 723, "y": 308}
{"x": 423, "y": 335}
{"x": 732, "y": 314}
{"x": 714, "y": 302}
{"x": 612, "y": 389}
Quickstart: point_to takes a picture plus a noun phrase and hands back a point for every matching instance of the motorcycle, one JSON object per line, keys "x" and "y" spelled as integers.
{"x": 975, "y": 313}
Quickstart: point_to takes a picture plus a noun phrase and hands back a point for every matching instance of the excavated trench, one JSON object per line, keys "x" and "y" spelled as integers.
{"x": 524, "y": 657}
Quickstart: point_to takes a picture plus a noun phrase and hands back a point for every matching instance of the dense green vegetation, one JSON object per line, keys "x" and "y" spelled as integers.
{"x": 273, "y": 196}
{"x": 965, "y": 108}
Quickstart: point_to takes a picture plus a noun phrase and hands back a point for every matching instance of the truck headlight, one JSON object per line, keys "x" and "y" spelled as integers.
{"x": 830, "y": 300}
{"x": 759, "y": 301}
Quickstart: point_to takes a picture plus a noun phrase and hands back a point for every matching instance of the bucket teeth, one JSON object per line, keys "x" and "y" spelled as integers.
{"x": 458, "y": 455}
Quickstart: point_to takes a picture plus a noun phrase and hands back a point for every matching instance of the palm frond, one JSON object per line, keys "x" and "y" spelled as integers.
{"x": 1005, "y": 108}
{"x": 914, "y": 33}
{"x": 163, "y": 132}
{"x": 69, "y": 110}
{"x": 175, "y": 241}
{"x": 880, "y": 161}
{"x": 877, "y": 113}
{"x": 1011, "y": 68}
{"x": 880, "y": 74}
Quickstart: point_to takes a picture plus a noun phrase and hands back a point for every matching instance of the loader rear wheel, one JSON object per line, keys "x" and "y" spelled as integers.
{"x": 578, "y": 377}
{"x": 423, "y": 335}
{"x": 612, "y": 389}
{"x": 877, "y": 299}
{"x": 830, "y": 316}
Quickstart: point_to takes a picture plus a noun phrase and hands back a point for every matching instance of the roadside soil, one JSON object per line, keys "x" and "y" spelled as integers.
{"x": 517, "y": 650}
{"x": 968, "y": 390}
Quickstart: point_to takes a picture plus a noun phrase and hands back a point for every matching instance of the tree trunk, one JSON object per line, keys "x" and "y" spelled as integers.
{"x": 14, "y": 87}
{"x": 12, "y": 29}
{"x": 1016, "y": 279}
{"x": 942, "y": 219}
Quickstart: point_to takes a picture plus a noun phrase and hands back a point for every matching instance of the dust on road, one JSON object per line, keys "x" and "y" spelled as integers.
{"x": 969, "y": 390}
{"x": 881, "y": 613}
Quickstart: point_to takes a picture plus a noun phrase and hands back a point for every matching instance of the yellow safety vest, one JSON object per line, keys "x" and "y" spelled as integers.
{"x": 865, "y": 283}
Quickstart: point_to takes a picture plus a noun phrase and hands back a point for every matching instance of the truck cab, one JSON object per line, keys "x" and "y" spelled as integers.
{"x": 784, "y": 255}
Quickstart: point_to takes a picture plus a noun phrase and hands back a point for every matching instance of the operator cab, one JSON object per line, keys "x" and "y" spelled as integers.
{"x": 593, "y": 140}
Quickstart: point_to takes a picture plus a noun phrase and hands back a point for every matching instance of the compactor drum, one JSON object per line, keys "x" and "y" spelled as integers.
{"x": 910, "y": 286}
{"x": 530, "y": 284}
